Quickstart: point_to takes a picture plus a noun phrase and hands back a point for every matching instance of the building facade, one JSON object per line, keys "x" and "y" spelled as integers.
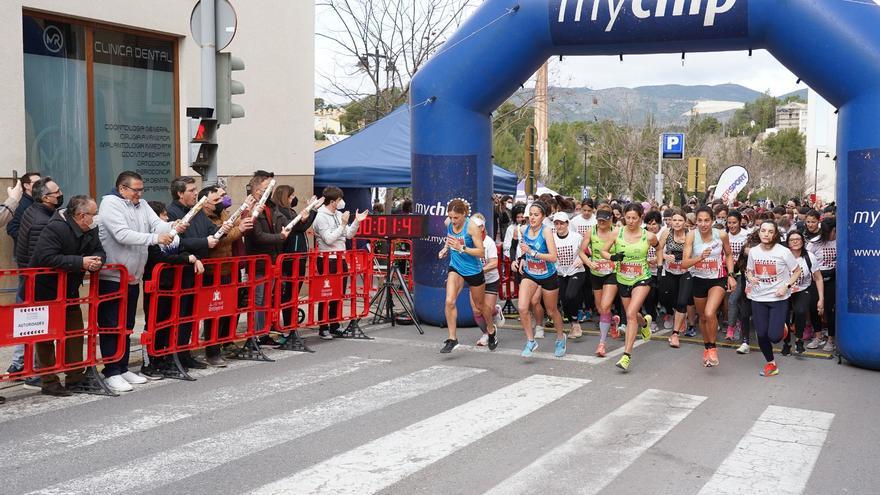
{"x": 97, "y": 87}
{"x": 821, "y": 148}
{"x": 792, "y": 115}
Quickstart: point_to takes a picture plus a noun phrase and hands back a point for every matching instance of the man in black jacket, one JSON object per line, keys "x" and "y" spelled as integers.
{"x": 69, "y": 242}
{"x": 47, "y": 197}
{"x": 27, "y": 184}
{"x": 197, "y": 240}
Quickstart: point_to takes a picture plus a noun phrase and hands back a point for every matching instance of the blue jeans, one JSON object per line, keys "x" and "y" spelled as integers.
{"x": 108, "y": 317}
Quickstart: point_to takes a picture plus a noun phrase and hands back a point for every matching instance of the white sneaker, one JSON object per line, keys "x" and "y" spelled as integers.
{"x": 667, "y": 322}
{"x": 743, "y": 349}
{"x": 118, "y": 384}
{"x": 816, "y": 343}
{"x": 484, "y": 340}
{"x": 133, "y": 378}
{"x": 829, "y": 346}
{"x": 539, "y": 332}
{"x": 653, "y": 327}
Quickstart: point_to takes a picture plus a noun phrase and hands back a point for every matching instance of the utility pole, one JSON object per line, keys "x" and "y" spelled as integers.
{"x": 541, "y": 119}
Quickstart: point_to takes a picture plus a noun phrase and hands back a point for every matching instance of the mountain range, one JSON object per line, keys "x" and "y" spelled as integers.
{"x": 670, "y": 104}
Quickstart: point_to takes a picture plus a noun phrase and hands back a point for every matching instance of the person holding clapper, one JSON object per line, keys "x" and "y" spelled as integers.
{"x": 331, "y": 231}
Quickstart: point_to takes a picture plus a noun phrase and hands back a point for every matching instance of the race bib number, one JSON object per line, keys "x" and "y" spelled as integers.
{"x": 674, "y": 266}
{"x": 631, "y": 270}
{"x": 708, "y": 267}
{"x": 605, "y": 267}
{"x": 537, "y": 267}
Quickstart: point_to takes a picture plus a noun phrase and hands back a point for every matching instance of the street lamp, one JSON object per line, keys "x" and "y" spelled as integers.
{"x": 586, "y": 141}
{"x": 816, "y": 173}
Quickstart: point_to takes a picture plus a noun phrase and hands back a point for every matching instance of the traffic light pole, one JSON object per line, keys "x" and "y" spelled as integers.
{"x": 209, "y": 69}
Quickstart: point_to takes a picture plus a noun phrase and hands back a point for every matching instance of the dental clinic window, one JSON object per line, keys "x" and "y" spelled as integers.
{"x": 99, "y": 101}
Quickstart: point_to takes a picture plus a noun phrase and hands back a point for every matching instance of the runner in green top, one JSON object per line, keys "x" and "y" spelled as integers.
{"x": 602, "y": 278}
{"x": 633, "y": 275}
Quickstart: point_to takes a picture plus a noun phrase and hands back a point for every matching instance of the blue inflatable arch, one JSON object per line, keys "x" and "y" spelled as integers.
{"x": 832, "y": 45}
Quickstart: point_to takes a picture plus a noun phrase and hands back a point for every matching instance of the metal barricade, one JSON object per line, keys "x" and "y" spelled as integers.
{"x": 65, "y": 337}
{"x": 228, "y": 290}
{"x": 330, "y": 287}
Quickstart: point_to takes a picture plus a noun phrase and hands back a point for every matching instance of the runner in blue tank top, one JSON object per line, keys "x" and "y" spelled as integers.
{"x": 538, "y": 267}
{"x": 464, "y": 245}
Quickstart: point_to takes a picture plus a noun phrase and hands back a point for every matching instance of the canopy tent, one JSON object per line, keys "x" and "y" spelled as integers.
{"x": 379, "y": 156}
{"x": 521, "y": 191}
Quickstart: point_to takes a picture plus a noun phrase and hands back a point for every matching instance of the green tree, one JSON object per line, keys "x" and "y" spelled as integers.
{"x": 319, "y": 103}
{"x": 761, "y": 111}
{"x": 787, "y": 147}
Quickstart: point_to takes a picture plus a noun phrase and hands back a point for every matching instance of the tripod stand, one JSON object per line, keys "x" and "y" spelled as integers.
{"x": 385, "y": 294}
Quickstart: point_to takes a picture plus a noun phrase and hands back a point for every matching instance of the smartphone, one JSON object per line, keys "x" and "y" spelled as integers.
{"x": 14, "y": 177}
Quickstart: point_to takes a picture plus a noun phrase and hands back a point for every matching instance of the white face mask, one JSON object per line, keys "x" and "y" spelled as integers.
{"x": 340, "y": 205}
{"x": 509, "y": 206}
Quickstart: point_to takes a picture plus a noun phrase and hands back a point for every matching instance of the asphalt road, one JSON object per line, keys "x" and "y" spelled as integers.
{"x": 392, "y": 415}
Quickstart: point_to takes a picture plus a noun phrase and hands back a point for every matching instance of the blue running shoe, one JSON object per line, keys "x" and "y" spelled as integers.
{"x": 588, "y": 315}
{"x": 690, "y": 332}
{"x": 531, "y": 346}
{"x": 560, "y": 348}
{"x": 580, "y": 316}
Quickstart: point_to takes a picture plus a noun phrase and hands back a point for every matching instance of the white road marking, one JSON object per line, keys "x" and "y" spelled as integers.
{"x": 14, "y": 453}
{"x": 152, "y": 472}
{"x": 39, "y": 404}
{"x": 611, "y": 445}
{"x": 382, "y": 462}
{"x": 776, "y": 456}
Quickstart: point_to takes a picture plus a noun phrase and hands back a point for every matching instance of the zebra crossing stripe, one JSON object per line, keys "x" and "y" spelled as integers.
{"x": 382, "y": 462}
{"x": 776, "y": 456}
{"x": 578, "y": 358}
{"x": 211, "y": 452}
{"x": 17, "y": 452}
{"x": 614, "y": 442}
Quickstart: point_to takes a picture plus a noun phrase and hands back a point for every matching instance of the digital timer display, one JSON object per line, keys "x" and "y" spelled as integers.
{"x": 394, "y": 226}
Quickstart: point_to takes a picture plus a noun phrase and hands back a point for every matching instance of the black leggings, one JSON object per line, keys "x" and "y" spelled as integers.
{"x": 769, "y": 318}
{"x": 650, "y": 305}
{"x": 804, "y": 305}
{"x": 675, "y": 292}
{"x": 829, "y": 278}
{"x": 571, "y": 295}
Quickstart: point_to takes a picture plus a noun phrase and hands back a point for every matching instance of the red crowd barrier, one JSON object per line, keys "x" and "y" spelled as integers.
{"x": 337, "y": 282}
{"x": 65, "y": 337}
{"x": 508, "y": 289}
{"x": 179, "y": 301}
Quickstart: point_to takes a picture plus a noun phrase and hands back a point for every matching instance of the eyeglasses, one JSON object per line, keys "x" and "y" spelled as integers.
{"x": 139, "y": 190}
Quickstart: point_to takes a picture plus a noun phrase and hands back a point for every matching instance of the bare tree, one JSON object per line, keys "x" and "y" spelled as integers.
{"x": 380, "y": 44}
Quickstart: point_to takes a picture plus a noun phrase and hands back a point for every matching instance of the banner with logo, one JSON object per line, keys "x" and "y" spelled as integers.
{"x": 732, "y": 181}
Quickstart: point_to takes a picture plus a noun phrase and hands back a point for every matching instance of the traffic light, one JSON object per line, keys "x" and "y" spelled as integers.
{"x": 202, "y": 144}
{"x": 226, "y": 87}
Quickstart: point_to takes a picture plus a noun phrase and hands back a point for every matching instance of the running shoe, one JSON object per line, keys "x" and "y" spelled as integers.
{"x": 588, "y": 315}
{"x": 786, "y": 349}
{"x": 449, "y": 346}
{"x": 691, "y": 331}
{"x": 731, "y": 330}
{"x": 493, "y": 340}
{"x": 483, "y": 340}
{"x": 539, "y": 332}
{"x": 576, "y": 332}
{"x": 498, "y": 318}
{"x": 829, "y": 346}
{"x": 623, "y": 363}
{"x": 654, "y": 327}
{"x": 799, "y": 347}
{"x": 673, "y": 341}
{"x": 646, "y": 330}
{"x": 711, "y": 357}
{"x": 744, "y": 348}
{"x": 560, "y": 348}
{"x": 581, "y": 318}
{"x": 770, "y": 369}
{"x": 600, "y": 349}
{"x": 817, "y": 342}
{"x": 668, "y": 321}
{"x": 531, "y": 346}
{"x": 613, "y": 331}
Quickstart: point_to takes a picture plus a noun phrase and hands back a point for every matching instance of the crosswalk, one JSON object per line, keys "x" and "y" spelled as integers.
{"x": 465, "y": 408}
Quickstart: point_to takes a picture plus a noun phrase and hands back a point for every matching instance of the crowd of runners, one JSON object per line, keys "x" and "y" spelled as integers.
{"x": 713, "y": 270}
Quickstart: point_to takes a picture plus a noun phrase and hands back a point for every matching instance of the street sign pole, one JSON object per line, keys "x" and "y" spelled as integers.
{"x": 658, "y": 179}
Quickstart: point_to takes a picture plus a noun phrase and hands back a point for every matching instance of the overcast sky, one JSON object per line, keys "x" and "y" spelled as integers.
{"x": 761, "y": 72}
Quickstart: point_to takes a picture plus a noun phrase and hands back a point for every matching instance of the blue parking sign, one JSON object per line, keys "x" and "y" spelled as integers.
{"x": 673, "y": 146}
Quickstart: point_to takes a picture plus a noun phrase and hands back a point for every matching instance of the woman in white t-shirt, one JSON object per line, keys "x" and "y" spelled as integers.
{"x": 570, "y": 261}
{"x": 807, "y": 298}
{"x": 492, "y": 276}
{"x": 771, "y": 273}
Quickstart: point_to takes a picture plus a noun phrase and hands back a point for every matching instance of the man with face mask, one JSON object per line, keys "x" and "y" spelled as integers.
{"x": 331, "y": 231}
{"x": 47, "y": 197}
{"x": 69, "y": 242}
